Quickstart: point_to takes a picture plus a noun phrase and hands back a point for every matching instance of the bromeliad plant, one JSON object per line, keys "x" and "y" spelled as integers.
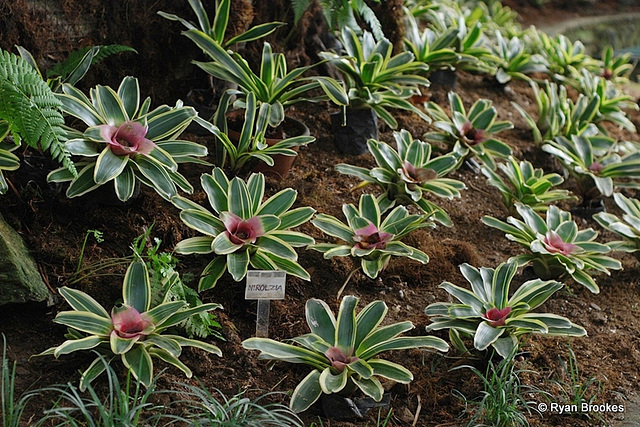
{"x": 470, "y": 134}
{"x": 611, "y": 102}
{"x": 559, "y": 250}
{"x": 627, "y": 227}
{"x": 559, "y": 115}
{"x": 343, "y": 351}
{"x": 274, "y": 84}
{"x": 243, "y": 229}
{"x": 491, "y": 317}
{"x": 369, "y": 237}
{"x": 375, "y": 78}
{"x": 565, "y": 59}
{"x": 252, "y": 144}
{"x": 125, "y": 143}
{"x": 514, "y": 59}
{"x": 409, "y": 174}
{"x": 133, "y": 331}
{"x": 429, "y": 47}
{"x": 595, "y": 160}
{"x": 527, "y": 185}
{"x": 217, "y": 28}
{"x": 616, "y": 68}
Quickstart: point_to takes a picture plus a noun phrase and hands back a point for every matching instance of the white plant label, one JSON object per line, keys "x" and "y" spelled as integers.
{"x": 265, "y": 284}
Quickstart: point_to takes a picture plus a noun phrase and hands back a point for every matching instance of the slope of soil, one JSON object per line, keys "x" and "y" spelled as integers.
{"x": 54, "y": 228}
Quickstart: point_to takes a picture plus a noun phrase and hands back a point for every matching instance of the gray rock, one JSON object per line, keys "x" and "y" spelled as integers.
{"x": 20, "y": 280}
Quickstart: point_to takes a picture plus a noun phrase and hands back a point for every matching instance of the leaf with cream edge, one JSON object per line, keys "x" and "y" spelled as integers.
{"x": 242, "y": 229}
{"x": 343, "y": 350}
{"x": 487, "y": 314}
{"x": 133, "y": 329}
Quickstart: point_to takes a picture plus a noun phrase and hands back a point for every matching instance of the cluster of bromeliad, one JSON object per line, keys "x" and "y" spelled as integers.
{"x": 125, "y": 143}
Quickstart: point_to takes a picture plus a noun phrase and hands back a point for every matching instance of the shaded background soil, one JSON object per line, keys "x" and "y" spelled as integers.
{"x": 54, "y": 228}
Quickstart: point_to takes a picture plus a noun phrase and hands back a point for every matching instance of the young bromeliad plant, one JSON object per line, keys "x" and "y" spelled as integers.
{"x": 515, "y": 60}
{"x": 428, "y": 46}
{"x": 133, "y": 331}
{"x": 527, "y": 185}
{"x": 216, "y": 28}
{"x": 611, "y": 102}
{"x": 565, "y": 59}
{"x": 615, "y": 68}
{"x": 252, "y": 145}
{"x": 274, "y": 84}
{"x": 408, "y": 175}
{"x": 493, "y": 318}
{"x": 470, "y": 134}
{"x": 242, "y": 229}
{"x": 559, "y": 250}
{"x": 559, "y": 115}
{"x": 368, "y": 237}
{"x": 125, "y": 143}
{"x": 377, "y": 79}
{"x": 596, "y": 160}
{"x": 627, "y": 227}
{"x": 343, "y": 351}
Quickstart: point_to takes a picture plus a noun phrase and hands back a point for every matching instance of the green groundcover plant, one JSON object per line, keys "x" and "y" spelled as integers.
{"x": 133, "y": 331}
{"x": 243, "y": 230}
{"x": 343, "y": 351}
{"x": 493, "y": 318}
{"x": 32, "y": 113}
{"x": 558, "y": 249}
{"x": 125, "y": 143}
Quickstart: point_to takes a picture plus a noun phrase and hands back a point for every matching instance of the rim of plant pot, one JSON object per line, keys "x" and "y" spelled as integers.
{"x": 289, "y": 128}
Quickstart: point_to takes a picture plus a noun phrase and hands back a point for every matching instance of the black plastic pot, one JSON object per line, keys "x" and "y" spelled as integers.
{"x": 361, "y": 125}
{"x": 444, "y": 78}
{"x": 347, "y": 408}
{"x": 588, "y": 208}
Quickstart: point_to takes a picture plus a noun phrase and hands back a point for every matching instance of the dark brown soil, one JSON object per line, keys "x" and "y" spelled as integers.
{"x": 54, "y": 228}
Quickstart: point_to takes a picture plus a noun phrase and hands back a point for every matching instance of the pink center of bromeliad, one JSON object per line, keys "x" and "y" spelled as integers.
{"x": 497, "y": 317}
{"x": 370, "y": 237}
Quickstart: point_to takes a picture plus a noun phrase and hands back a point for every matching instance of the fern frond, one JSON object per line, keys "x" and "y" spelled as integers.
{"x": 32, "y": 109}
{"x": 299, "y": 6}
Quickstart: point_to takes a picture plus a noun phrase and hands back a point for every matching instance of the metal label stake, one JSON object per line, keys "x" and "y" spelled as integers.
{"x": 264, "y": 285}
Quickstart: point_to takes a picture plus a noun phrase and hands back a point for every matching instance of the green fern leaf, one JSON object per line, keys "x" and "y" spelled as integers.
{"x": 299, "y": 6}
{"x": 32, "y": 109}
